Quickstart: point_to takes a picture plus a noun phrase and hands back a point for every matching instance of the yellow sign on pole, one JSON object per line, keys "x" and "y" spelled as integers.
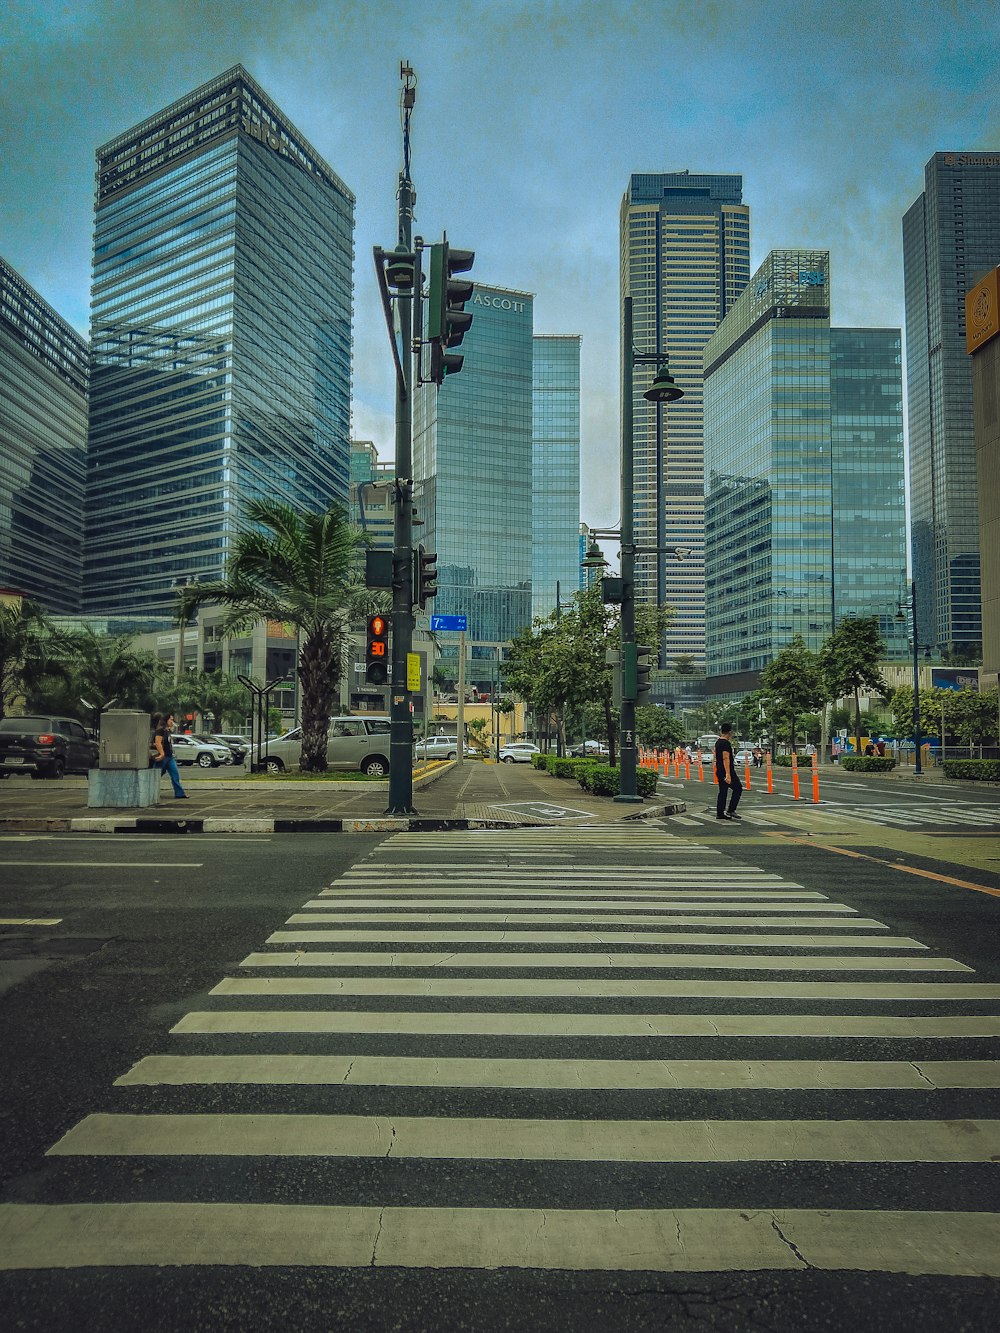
{"x": 413, "y": 672}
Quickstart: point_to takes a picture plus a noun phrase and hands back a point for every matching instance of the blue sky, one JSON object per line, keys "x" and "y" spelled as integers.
{"x": 530, "y": 118}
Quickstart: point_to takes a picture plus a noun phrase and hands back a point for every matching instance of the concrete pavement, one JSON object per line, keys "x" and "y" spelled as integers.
{"x": 472, "y": 794}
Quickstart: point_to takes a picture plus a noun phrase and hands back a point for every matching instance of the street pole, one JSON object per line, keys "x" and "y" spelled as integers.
{"x": 400, "y": 720}
{"x": 917, "y": 738}
{"x": 627, "y": 746}
{"x": 461, "y": 697}
{"x": 559, "y": 710}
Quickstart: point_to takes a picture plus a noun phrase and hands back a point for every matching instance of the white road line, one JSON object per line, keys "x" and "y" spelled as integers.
{"x": 527, "y": 1140}
{"x": 602, "y": 938}
{"x": 683, "y": 1240}
{"x": 446, "y": 1023}
{"x": 30, "y": 921}
{"x": 375, "y": 960}
{"x": 855, "y": 990}
{"x": 387, "y": 1071}
{"x": 394, "y": 895}
{"x": 110, "y": 865}
{"x": 460, "y": 916}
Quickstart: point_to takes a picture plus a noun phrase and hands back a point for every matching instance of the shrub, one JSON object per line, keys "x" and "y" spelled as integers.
{"x": 862, "y": 763}
{"x": 973, "y": 770}
{"x": 538, "y": 760}
{"x": 603, "y": 780}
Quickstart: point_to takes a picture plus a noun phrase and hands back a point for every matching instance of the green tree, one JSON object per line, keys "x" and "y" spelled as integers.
{"x": 297, "y": 569}
{"x": 658, "y": 727}
{"x": 849, "y": 661}
{"x": 214, "y": 694}
{"x": 32, "y": 653}
{"x": 794, "y": 683}
{"x": 973, "y": 715}
{"x": 684, "y": 664}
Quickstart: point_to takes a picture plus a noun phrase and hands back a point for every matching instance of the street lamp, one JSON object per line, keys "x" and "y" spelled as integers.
{"x": 900, "y": 618}
{"x": 664, "y": 389}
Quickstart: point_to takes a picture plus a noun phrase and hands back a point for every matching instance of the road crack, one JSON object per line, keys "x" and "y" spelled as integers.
{"x": 378, "y": 1237}
{"x": 791, "y": 1244}
{"x": 920, "y": 1073}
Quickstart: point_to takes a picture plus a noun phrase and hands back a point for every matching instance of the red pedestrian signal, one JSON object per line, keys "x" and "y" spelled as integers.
{"x": 377, "y": 651}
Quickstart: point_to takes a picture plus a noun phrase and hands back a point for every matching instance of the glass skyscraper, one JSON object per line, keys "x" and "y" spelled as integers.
{"x": 221, "y": 338}
{"x": 43, "y": 441}
{"x": 685, "y": 259}
{"x": 804, "y": 503}
{"x": 473, "y": 471}
{"x": 555, "y": 471}
{"x": 951, "y": 237}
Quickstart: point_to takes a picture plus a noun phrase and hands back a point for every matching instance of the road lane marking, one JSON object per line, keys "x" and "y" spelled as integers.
{"x": 374, "y": 959}
{"x": 615, "y": 988}
{"x": 394, "y": 894}
{"x": 388, "y": 1071}
{"x": 682, "y": 1240}
{"x": 519, "y": 1140}
{"x": 893, "y": 865}
{"x": 519, "y": 1024}
{"x": 30, "y": 921}
{"x": 459, "y": 916}
{"x": 505, "y": 935}
{"x": 110, "y": 865}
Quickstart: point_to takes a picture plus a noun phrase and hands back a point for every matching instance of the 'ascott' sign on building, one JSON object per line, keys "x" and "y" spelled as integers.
{"x": 982, "y": 312}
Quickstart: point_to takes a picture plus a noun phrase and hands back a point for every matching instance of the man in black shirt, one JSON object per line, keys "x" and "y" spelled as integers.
{"x": 726, "y": 775}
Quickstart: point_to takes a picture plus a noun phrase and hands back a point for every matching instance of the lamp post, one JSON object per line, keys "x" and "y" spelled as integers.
{"x": 662, "y": 390}
{"x": 901, "y": 617}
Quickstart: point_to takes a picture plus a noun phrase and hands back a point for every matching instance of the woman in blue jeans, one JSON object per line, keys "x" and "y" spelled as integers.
{"x": 162, "y": 727}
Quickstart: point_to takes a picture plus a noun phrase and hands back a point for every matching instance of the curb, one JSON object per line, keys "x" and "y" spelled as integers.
{"x": 268, "y": 824}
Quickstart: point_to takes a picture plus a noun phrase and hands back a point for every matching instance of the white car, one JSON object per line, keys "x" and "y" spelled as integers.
{"x": 206, "y": 754}
{"x": 744, "y": 757}
{"x": 518, "y": 752}
{"x": 438, "y": 747}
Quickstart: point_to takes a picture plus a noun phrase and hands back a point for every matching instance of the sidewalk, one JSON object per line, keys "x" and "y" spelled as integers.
{"x": 451, "y": 795}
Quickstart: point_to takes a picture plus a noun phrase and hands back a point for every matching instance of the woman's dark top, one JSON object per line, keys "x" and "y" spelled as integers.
{"x": 164, "y": 736}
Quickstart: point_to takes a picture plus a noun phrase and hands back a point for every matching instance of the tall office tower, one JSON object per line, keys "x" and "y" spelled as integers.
{"x": 472, "y": 468}
{"x": 804, "y": 505}
{"x": 685, "y": 258}
{"x": 43, "y": 443}
{"x": 951, "y": 237}
{"x": 555, "y": 486}
{"x": 220, "y": 342}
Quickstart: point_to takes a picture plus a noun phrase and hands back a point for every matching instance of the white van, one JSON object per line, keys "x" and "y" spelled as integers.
{"x": 354, "y": 743}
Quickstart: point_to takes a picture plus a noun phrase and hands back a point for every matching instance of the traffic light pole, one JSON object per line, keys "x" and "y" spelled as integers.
{"x": 400, "y": 720}
{"x": 627, "y": 746}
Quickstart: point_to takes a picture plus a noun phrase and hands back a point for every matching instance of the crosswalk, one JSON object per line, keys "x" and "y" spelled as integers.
{"x": 579, "y": 1020}
{"x": 914, "y": 814}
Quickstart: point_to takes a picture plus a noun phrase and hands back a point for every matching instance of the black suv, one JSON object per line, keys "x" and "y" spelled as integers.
{"x": 45, "y": 747}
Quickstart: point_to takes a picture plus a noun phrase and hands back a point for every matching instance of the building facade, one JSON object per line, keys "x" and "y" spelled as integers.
{"x": 983, "y": 346}
{"x": 473, "y": 472}
{"x": 43, "y": 445}
{"x": 220, "y": 341}
{"x": 371, "y": 497}
{"x": 555, "y": 486}
{"x": 804, "y": 500}
{"x": 951, "y": 237}
{"x": 685, "y": 259}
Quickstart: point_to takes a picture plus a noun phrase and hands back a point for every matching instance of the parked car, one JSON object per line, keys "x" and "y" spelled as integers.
{"x": 206, "y": 754}
{"x": 353, "y": 743}
{"x": 590, "y": 749}
{"x": 518, "y": 752}
{"x": 45, "y": 747}
{"x": 438, "y": 747}
{"x": 239, "y": 745}
{"x": 744, "y": 757}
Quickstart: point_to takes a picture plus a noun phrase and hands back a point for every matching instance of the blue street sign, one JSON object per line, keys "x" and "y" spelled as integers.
{"x": 449, "y": 622}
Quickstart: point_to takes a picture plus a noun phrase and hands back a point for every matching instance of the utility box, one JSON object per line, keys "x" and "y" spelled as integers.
{"x": 124, "y": 739}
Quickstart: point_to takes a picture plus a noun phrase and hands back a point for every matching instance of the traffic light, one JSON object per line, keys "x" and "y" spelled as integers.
{"x": 643, "y": 669}
{"x": 424, "y": 576}
{"x": 377, "y": 653}
{"x": 613, "y": 659}
{"x": 447, "y": 319}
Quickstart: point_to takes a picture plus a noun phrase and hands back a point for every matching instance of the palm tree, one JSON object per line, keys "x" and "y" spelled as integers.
{"x": 297, "y": 569}
{"x": 30, "y": 652}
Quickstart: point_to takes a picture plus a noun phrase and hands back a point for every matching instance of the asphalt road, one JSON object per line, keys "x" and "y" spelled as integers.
{"x": 484, "y": 1029}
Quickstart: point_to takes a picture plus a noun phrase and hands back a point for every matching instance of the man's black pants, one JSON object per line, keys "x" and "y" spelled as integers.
{"x": 736, "y": 787}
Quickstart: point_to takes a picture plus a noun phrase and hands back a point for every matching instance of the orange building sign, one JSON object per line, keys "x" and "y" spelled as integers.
{"x": 982, "y": 312}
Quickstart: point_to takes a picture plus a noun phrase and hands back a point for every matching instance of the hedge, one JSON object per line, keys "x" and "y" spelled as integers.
{"x": 570, "y": 767}
{"x": 603, "y": 780}
{"x": 867, "y": 763}
{"x": 973, "y": 770}
{"x": 785, "y": 760}
{"x": 538, "y": 761}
